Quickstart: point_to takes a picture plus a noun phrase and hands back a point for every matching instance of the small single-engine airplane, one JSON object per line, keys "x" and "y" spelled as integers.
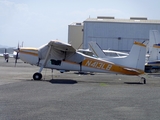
{"x": 62, "y": 56}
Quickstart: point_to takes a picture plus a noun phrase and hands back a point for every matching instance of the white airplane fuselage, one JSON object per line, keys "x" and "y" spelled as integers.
{"x": 97, "y": 66}
{"x": 89, "y": 64}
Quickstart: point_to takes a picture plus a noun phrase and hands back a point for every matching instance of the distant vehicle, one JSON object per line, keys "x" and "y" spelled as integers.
{"x": 62, "y": 56}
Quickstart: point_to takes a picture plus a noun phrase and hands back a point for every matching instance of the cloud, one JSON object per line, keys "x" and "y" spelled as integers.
{"x": 13, "y": 13}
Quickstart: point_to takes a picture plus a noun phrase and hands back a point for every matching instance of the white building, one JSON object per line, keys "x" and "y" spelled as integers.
{"x": 75, "y": 35}
{"x": 111, "y": 33}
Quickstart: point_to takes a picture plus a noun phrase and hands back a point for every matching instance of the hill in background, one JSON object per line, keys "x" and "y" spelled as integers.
{"x": 9, "y": 50}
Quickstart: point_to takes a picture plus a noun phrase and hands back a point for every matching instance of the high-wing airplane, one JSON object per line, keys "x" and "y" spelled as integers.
{"x": 62, "y": 56}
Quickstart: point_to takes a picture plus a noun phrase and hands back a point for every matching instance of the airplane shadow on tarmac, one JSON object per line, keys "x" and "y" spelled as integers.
{"x": 70, "y": 81}
{"x": 57, "y": 81}
{"x": 133, "y": 83}
{"x": 62, "y": 81}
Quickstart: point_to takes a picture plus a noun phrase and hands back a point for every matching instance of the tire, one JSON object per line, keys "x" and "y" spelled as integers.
{"x": 37, "y": 76}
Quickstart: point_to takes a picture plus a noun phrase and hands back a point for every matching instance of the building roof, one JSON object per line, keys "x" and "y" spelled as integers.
{"x": 131, "y": 20}
{"x": 77, "y": 24}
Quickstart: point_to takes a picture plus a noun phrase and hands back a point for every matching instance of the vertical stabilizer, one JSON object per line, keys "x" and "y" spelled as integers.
{"x": 135, "y": 59}
{"x": 96, "y": 49}
{"x": 154, "y": 38}
{"x": 155, "y": 53}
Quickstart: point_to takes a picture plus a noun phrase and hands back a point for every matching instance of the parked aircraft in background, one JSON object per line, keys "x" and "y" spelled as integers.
{"x": 96, "y": 49}
{"x": 108, "y": 53}
{"x": 10, "y": 54}
{"x": 6, "y": 55}
{"x": 153, "y": 61}
{"x": 62, "y": 56}
{"x": 86, "y": 52}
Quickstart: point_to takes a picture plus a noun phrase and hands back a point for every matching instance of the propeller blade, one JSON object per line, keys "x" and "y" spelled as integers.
{"x": 16, "y": 58}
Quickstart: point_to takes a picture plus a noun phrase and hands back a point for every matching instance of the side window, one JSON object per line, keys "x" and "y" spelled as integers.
{"x": 55, "y": 62}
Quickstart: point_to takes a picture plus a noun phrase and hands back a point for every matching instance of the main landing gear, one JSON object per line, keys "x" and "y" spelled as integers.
{"x": 37, "y": 76}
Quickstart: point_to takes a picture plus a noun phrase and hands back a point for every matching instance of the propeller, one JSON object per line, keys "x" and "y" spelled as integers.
{"x": 16, "y": 57}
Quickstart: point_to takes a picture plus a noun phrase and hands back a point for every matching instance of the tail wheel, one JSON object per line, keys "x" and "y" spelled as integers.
{"x": 37, "y": 76}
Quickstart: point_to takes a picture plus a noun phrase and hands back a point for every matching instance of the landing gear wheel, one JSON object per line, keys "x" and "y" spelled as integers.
{"x": 144, "y": 80}
{"x": 37, "y": 76}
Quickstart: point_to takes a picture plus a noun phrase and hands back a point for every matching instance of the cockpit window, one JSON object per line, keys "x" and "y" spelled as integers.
{"x": 55, "y": 62}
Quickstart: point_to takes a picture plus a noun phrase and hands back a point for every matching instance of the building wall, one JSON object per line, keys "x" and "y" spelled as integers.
{"x": 75, "y": 35}
{"x": 116, "y": 35}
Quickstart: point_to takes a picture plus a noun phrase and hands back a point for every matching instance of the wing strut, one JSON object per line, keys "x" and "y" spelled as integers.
{"x": 46, "y": 58}
{"x": 38, "y": 75}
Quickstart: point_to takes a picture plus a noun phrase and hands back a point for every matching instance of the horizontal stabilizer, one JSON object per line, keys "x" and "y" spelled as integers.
{"x": 132, "y": 70}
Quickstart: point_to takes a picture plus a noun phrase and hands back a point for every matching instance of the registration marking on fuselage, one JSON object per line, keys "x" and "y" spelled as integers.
{"x": 97, "y": 64}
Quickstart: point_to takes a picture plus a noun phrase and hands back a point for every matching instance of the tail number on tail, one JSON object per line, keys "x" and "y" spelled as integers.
{"x": 98, "y": 65}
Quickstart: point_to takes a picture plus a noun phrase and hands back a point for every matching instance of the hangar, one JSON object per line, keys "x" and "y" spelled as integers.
{"x": 111, "y": 33}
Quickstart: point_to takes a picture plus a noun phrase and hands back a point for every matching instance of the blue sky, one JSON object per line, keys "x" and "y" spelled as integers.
{"x": 36, "y": 22}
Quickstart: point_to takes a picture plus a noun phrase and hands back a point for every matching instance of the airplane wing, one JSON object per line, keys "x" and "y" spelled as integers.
{"x": 56, "y": 49}
{"x": 56, "y": 44}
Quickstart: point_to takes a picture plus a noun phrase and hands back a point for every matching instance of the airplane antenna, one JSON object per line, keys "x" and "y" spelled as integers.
{"x": 22, "y": 44}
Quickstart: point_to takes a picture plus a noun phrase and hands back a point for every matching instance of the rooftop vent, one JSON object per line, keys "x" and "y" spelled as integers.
{"x": 78, "y": 23}
{"x": 105, "y": 17}
{"x": 138, "y": 18}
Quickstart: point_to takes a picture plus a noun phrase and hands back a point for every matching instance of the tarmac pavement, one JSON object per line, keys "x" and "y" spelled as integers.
{"x": 70, "y": 96}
